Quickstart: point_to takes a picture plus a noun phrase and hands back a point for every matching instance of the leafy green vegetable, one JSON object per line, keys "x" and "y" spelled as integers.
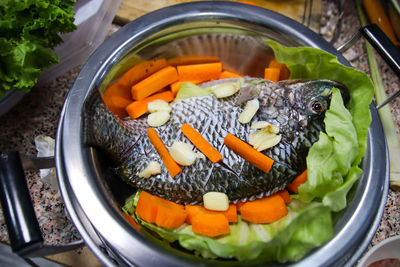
{"x": 28, "y": 31}
{"x": 341, "y": 149}
{"x": 332, "y": 165}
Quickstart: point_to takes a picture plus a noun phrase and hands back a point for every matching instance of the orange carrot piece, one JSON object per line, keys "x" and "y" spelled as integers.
{"x": 285, "y": 72}
{"x": 285, "y": 195}
{"x": 137, "y": 108}
{"x": 299, "y": 180}
{"x": 119, "y": 102}
{"x": 202, "y": 144}
{"x": 258, "y": 159}
{"x": 164, "y": 213}
{"x": 141, "y": 71}
{"x": 118, "y": 89}
{"x": 231, "y": 213}
{"x": 192, "y": 59}
{"x": 146, "y": 208}
{"x": 272, "y": 74}
{"x": 210, "y": 224}
{"x": 154, "y": 83}
{"x": 131, "y": 220}
{"x": 199, "y": 72}
{"x": 248, "y": 3}
{"x": 169, "y": 214}
{"x": 239, "y": 205}
{"x": 265, "y": 210}
{"x": 226, "y": 74}
{"x": 172, "y": 167}
{"x": 192, "y": 211}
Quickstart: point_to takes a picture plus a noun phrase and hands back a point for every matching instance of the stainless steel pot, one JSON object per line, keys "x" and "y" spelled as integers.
{"x": 93, "y": 198}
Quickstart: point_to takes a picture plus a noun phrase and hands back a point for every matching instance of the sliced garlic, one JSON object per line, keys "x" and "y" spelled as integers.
{"x": 216, "y": 201}
{"x": 261, "y": 140}
{"x": 158, "y": 105}
{"x": 249, "y": 111}
{"x": 182, "y": 153}
{"x": 158, "y": 118}
{"x": 270, "y": 128}
{"x": 225, "y": 89}
{"x": 266, "y": 137}
{"x": 152, "y": 168}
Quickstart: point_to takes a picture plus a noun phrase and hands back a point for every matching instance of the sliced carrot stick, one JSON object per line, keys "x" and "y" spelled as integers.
{"x": 229, "y": 74}
{"x": 154, "y": 83}
{"x": 192, "y": 59}
{"x": 137, "y": 108}
{"x": 299, "y": 180}
{"x": 118, "y": 89}
{"x": 119, "y": 102}
{"x": 285, "y": 72}
{"x": 198, "y": 140}
{"x": 131, "y": 220}
{"x": 146, "y": 208}
{"x": 199, "y": 72}
{"x": 176, "y": 86}
{"x": 285, "y": 195}
{"x": 141, "y": 71}
{"x": 210, "y": 224}
{"x": 272, "y": 74}
{"x": 258, "y": 159}
{"x": 265, "y": 210}
{"x": 172, "y": 167}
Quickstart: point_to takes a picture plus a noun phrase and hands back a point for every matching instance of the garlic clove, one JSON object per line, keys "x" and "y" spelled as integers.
{"x": 216, "y": 201}
{"x": 182, "y": 153}
{"x": 225, "y": 90}
{"x": 249, "y": 111}
{"x": 153, "y": 168}
{"x": 158, "y": 105}
{"x": 158, "y": 118}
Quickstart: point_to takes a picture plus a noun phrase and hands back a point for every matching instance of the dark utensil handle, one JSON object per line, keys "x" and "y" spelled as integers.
{"x": 383, "y": 45}
{"x": 23, "y": 227}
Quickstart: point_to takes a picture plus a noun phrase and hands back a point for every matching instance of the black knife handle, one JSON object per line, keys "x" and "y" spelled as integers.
{"x": 23, "y": 227}
{"x": 383, "y": 45}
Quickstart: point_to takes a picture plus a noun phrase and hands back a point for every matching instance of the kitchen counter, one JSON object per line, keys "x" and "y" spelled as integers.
{"x": 38, "y": 113}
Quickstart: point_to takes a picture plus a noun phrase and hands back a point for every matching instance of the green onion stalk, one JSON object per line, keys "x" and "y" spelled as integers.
{"x": 384, "y": 112}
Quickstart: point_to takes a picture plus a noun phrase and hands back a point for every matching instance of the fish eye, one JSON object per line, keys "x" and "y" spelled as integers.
{"x": 317, "y": 107}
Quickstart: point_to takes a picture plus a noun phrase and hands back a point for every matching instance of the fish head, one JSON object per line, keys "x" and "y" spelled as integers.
{"x": 317, "y": 94}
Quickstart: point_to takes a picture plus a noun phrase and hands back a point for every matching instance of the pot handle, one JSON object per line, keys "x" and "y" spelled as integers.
{"x": 22, "y": 225}
{"x": 383, "y": 45}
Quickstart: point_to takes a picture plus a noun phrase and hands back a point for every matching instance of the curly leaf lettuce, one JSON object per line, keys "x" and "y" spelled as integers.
{"x": 332, "y": 165}
{"x": 29, "y": 30}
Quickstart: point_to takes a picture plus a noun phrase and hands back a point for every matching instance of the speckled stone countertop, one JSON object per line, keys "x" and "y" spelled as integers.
{"x": 39, "y": 111}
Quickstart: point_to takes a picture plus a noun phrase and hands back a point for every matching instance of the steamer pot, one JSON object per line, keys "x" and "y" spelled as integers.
{"x": 93, "y": 198}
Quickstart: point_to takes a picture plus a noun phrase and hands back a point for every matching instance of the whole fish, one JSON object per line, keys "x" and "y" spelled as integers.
{"x": 297, "y": 107}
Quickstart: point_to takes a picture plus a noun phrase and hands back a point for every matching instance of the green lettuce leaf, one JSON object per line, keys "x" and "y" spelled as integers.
{"x": 341, "y": 149}
{"x": 289, "y": 238}
{"x": 29, "y": 31}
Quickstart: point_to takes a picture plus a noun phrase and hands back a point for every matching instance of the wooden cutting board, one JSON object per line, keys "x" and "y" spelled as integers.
{"x": 307, "y": 12}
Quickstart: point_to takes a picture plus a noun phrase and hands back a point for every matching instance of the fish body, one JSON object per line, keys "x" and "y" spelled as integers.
{"x": 296, "y": 107}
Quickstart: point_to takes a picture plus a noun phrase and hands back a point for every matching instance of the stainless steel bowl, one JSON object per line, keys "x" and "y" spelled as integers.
{"x": 93, "y": 200}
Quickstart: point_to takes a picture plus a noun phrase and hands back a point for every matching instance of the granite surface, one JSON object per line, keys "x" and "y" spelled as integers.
{"x": 39, "y": 111}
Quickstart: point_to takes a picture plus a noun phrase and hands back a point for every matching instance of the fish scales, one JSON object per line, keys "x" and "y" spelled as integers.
{"x": 285, "y": 104}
